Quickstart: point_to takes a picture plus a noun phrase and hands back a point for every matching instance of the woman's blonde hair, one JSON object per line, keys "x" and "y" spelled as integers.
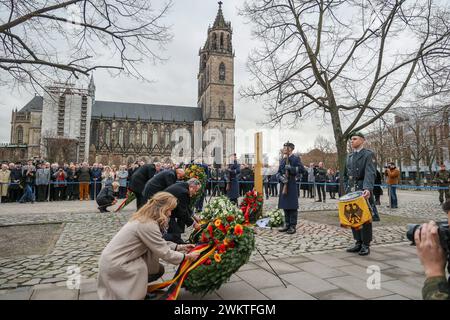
{"x": 157, "y": 209}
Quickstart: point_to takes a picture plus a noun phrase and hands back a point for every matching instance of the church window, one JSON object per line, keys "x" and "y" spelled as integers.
{"x": 19, "y": 134}
{"x": 207, "y": 75}
{"x": 214, "y": 41}
{"x": 222, "y": 71}
{"x": 131, "y": 137}
{"x": 144, "y": 137}
{"x": 107, "y": 136}
{"x": 221, "y": 110}
{"x": 221, "y": 40}
{"x": 229, "y": 43}
{"x": 154, "y": 137}
{"x": 121, "y": 137}
{"x": 167, "y": 138}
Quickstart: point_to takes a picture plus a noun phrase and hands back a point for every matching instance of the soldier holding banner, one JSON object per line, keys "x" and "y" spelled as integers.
{"x": 290, "y": 166}
{"x": 359, "y": 175}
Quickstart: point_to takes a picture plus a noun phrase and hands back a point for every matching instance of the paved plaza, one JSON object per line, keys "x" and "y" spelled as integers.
{"x": 42, "y": 242}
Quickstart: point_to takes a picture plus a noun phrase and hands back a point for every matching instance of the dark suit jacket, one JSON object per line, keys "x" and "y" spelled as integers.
{"x": 182, "y": 214}
{"x": 159, "y": 182}
{"x": 141, "y": 176}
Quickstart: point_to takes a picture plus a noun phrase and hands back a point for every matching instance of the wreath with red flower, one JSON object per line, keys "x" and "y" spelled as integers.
{"x": 224, "y": 227}
{"x": 252, "y": 205}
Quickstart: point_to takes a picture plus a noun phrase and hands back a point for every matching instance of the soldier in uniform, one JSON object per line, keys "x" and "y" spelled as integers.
{"x": 442, "y": 178}
{"x": 232, "y": 188}
{"x": 290, "y": 166}
{"x": 359, "y": 175}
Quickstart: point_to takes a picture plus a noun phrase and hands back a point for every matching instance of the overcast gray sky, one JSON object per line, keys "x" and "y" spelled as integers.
{"x": 175, "y": 81}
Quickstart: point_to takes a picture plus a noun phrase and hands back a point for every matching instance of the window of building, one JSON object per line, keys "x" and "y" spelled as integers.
{"x": 221, "y": 110}
{"x": 121, "y": 137}
{"x": 107, "y": 136}
{"x": 222, "y": 71}
{"x": 214, "y": 41}
{"x": 154, "y": 138}
{"x": 131, "y": 137}
{"x": 19, "y": 135}
{"x": 167, "y": 138}
{"x": 221, "y": 40}
{"x": 144, "y": 137}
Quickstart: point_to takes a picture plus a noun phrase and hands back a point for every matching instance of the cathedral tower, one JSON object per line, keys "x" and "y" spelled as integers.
{"x": 216, "y": 83}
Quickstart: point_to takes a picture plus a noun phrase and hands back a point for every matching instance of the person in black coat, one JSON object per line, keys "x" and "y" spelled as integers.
{"x": 161, "y": 181}
{"x": 105, "y": 197}
{"x": 377, "y": 191}
{"x": 138, "y": 181}
{"x": 182, "y": 215}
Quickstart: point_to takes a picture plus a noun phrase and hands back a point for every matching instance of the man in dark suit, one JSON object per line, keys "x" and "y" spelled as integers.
{"x": 138, "y": 181}
{"x": 233, "y": 170}
{"x": 182, "y": 215}
{"x": 161, "y": 181}
{"x": 105, "y": 197}
{"x": 359, "y": 175}
{"x": 290, "y": 166}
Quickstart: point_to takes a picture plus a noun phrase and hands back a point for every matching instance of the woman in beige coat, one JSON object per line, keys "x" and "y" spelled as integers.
{"x": 4, "y": 181}
{"x": 131, "y": 259}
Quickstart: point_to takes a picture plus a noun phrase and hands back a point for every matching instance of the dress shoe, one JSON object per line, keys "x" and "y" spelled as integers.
{"x": 356, "y": 248}
{"x": 283, "y": 229}
{"x": 365, "y": 250}
{"x": 318, "y": 200}
{"x": 291, "y": 231}
{"x": 375, "y": 218}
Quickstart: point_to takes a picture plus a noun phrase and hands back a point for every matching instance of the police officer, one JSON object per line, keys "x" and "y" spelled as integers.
{"x": 442, "y": 179}
{"x": 290, "y": 166}
{"x": 359, "y": 175}
{"x": 232, "y": 187}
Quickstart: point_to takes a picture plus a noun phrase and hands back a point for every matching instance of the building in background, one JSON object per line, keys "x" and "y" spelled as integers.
{"x": 69, "y": 124}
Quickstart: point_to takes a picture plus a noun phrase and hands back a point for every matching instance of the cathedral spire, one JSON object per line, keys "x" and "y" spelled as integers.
{"x": 220, "y": 20}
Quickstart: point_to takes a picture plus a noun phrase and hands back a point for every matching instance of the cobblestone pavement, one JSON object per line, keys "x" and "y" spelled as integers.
{"x": 85, "y": 233}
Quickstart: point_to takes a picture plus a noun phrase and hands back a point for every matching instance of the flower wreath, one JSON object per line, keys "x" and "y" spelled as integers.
{"x": 225, "y": 228}
{"x": 252, "y": 205}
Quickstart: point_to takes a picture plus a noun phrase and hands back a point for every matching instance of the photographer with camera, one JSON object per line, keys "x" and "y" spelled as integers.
{"x": 432, "y": 242}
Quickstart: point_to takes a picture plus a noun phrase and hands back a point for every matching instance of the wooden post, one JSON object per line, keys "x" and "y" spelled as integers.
{"x": 259, "y": 164}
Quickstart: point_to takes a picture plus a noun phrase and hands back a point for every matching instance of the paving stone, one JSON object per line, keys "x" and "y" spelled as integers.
{"x": 361, "y": 272}
{"x": 186, "y": 295}
{"x": 239, "y": 291}
{"x": 392, "y": 297}
{"x": 320, "y": 270}
{"x": 358, "y": 287}
{"x": 279, "y": 266}
{"x": 403, "y": 289}
{"x": 17, "y": 294}
{"x": 32, "y": 282}
{"x": 289, "y": 293}
{"x": 407, "y": 264}
{"x": 259, "y": 278}
{"x": 308, "y": 282}
{"x": 89, "y": 296}
{"x": 329, "y": 260}
{"x": 248, "y": 266}
{"x": 55, "y": 293}
{"x": 338, "y": 294}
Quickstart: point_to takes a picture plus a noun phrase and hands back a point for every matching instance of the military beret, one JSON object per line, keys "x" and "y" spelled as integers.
{"x": 357, "y": 134}
{"x": 289, "y": 145}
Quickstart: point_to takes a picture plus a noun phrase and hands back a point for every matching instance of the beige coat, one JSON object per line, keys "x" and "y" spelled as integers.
{"x": 4, "y": 180}
{"x": 129, "y": 258}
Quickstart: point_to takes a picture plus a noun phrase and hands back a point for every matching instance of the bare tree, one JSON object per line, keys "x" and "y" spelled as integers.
{"x": 348, "y": 61}
{"x": 46, "y": 40}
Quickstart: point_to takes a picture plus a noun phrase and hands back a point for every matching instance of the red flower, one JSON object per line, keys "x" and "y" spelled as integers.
{"x": 204, "y": 238}
{"x": 210, "y": 229}
{"x": 238, "y": 230}
{"x": 231, "y": 244}
{"x": 207, "y": 261}
{"x": 221, "y": 248}
{"x": 230, "y": 218}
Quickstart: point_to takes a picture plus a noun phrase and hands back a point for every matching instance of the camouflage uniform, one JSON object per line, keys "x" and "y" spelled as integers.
{"x": 436, "y": 288}
{"x": 442, "y": 179}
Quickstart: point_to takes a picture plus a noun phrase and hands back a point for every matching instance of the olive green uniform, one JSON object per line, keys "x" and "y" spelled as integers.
{"x": 436, "y": 288}
{"x": 442, "y": 179}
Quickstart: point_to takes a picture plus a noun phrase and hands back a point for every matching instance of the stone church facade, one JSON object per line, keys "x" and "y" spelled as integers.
{"x": 118, "y": 133}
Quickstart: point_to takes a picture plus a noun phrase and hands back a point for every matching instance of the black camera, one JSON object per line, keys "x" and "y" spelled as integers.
{"x": 443, "y": 232}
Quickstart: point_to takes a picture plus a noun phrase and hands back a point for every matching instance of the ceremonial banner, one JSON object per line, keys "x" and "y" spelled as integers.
{"x": 354, "y": 210}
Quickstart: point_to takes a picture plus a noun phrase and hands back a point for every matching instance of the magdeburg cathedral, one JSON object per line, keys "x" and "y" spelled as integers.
{"x": 70, "y": 118}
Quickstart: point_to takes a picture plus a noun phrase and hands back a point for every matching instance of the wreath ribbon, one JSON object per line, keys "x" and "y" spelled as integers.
{"x": 185, "y": 267}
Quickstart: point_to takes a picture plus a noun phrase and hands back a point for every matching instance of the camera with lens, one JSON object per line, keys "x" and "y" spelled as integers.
{"x": 443, "y": 232}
